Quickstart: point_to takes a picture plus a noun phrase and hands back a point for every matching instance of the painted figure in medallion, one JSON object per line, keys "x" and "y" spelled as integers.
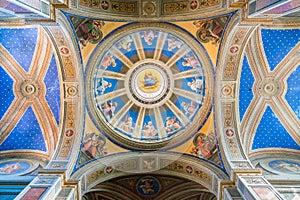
{"x": 102, "y": 85}
{"x": 149, "y": 80}
{"x": 204, "y": 144}
{"x": 209, "y": 30}
{"x": 172, "y": 124}
{"x": 10, "y": 168}
{"x": 90, "y": 31}
{"x": 149, "y": 130}
{"x": 93, "y": 145}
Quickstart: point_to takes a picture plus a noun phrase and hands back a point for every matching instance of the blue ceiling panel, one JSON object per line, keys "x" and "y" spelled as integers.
{"x": 6, "y": 91}
{"x": 246, "y": 84}
{"x": 271, "y": 134}
{"x": 293, "y": 92}
{"x": 52, "y": 89}
{"x": 20, "y": 43}
{"x": 277, "y": 44}
{"x": 26, "y": 135}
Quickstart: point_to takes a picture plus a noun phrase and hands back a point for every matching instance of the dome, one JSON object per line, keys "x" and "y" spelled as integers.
{"x": 150, "y": 87}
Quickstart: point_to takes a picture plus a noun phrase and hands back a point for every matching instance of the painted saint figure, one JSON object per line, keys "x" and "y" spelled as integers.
{"x": 126, "y": 125}
{"x": 189, "y": 108}
{"x": 93, "y": 145}
{"x": 125, "y": 43}
{"x": 196, "y": 85}
{"x": 102, "y": 85}
{"x": 89, "y": 31}
{"x": 109, "y": 108}
{"x": 172, "y": 124}
{"x": 203, "y": 145}
{"x": 209, "y": 30}
{"x": 190, "y": 61}
{"x": 149, "y": 130}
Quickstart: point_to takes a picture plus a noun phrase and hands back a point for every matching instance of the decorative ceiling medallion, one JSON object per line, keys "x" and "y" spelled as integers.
{"x": 29, "y": 89}
{"x": 269, "y": 87}
{"x": 149, "y": 87}
{"x": 149, "y": 83}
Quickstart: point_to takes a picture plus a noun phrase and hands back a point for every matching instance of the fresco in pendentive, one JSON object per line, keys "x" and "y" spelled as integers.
{"x": 87, "y": 30}
{"x": 210, "y": 30}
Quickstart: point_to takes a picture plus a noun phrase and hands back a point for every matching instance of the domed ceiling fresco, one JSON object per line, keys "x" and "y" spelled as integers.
{"x": 149, "y": 86}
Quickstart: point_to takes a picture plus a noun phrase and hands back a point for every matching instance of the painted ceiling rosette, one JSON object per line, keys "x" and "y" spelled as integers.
{"x": 149, "y": 87}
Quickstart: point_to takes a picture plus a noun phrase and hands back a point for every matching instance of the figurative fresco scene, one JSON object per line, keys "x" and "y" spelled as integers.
{"x": 87, "y": 30}
{"x": 204, "y": 145}
{"x": 13, "y": 167}
{"x": 148, "y": 186}
{"x": 210, "y": 30}
{"x": 93, "y": 145}
{"x": 285, "y": 166}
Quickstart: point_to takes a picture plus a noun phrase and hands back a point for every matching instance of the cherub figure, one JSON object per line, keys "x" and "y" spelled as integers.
{"x": 10, "y": 168}
{"x": 173, "y": 43}
{"x": 149, "y": 36}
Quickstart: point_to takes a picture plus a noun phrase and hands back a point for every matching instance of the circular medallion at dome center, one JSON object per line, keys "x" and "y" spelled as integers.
{"x": 149, "y": 83}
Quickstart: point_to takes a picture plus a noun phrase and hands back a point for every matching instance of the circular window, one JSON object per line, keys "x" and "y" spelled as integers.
{"x": 149, "y": 87}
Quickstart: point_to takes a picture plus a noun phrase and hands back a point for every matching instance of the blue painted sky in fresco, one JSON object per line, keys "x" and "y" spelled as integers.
{"x": 293, "y": 93}
{"x": 271, "y": 134}
{"x": 246, "y": 84}
{"x": 181, "y": 100}
{"x": 52, "y": 89}
{"x": 6, "y": 91}
{"x": 26, "y": 135}
{"x": 20, "y": 43}
{"x": 277, "y": 43}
